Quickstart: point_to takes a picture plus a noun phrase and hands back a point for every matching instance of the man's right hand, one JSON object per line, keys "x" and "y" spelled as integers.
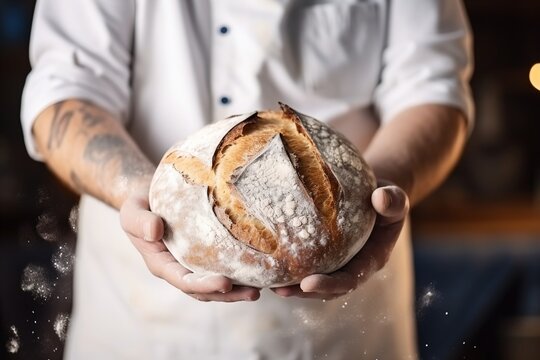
{"x": 145, "y": 229}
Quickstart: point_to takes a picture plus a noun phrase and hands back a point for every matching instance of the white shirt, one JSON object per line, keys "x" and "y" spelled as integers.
{"x": 166, "y": 68}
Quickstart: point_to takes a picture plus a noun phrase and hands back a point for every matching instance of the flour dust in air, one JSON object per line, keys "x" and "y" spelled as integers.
{"x": 47, "y": 226}
{"x": 60, "y": 325}
{"x": 63, "y": 258}
{"x": 427, "y": 298}
{"x": 14, "y": 342}
{"x": 35, "y": 281}
{"x": 74, "y": 218}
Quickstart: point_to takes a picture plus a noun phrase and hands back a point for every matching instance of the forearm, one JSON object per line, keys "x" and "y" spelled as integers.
{"x": 418, "y": 149}
{"x": 90, "y": 151}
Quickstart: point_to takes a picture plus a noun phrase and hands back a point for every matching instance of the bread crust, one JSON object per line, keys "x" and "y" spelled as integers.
{"x": 265, "y": 198}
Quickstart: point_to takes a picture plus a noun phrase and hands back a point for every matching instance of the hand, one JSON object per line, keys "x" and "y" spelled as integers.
{"x": 145, "y": 229}
{"x": 392, "y": 205}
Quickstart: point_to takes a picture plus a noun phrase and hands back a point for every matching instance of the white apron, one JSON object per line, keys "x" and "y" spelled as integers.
{"x": 121, "y": 311}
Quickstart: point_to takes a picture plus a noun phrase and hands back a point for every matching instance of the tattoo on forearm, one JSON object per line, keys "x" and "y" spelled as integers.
{"x": 60, "y": 123}
{"x": 111, "y": 162}
{"x": 106, "y": 148}
{"x": 90, "y": 117}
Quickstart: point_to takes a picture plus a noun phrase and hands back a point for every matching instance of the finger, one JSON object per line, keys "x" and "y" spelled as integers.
{"x": 238, "y": 293}
{"x": 147, "y": 247}
{"x": 376, "y": 251}
{"x": 391, "y": 204}
{"x": 209, "y": 287}
{"x": 138, "y": 221}
{"x": 163, "y": 265}
{"x": 287, "y": 291}
{"x": 336, "y": 283}
{"x": 195, "y": 283}
{"x": 296, "y": 291}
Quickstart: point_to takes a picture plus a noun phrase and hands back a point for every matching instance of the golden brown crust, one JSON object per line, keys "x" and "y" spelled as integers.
{"x": 192, "y": 169}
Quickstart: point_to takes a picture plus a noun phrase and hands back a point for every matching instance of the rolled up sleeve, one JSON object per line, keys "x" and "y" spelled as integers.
{"x": 78, "y": 50}
{"x": 428, "y": 58}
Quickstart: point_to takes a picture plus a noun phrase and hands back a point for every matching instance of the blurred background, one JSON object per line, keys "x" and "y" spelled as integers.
{"x": 476, "y": 239}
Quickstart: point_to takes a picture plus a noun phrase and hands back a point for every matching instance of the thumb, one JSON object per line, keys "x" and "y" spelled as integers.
{"x": 138, "y": 221}
{"x": 391, "y": 204}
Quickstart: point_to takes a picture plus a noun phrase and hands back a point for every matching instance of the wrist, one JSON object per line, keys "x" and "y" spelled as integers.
{"x": 138, "y": 187}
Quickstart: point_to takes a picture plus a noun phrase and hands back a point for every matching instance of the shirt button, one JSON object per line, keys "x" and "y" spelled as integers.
{"x": 225, "y": 100}
{"x": 223, "y": 30}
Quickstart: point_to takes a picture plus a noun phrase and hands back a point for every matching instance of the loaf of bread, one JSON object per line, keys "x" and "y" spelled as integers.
{"x": 265, "y": 198}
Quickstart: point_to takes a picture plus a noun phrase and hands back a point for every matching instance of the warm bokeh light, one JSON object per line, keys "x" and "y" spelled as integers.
{"x": 534, "y": 76}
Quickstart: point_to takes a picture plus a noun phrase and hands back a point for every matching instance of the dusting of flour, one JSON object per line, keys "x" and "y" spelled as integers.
{"x": 271, "y": 188}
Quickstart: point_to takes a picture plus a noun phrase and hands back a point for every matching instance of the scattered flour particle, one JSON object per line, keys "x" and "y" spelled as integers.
{"x": 60, "y": 325}
{"x": 310, "y": 319}
{"x": 14, "y": 343}
{"x": 427, "y": 298}
{"x": 303, "y": 234}
{"x": 296, "y": 222}
{"x": 74, "y": 218}
{"x": 34, "y": 280}
{"x": 47, "y": 226}
{"x": 62, "y": 259}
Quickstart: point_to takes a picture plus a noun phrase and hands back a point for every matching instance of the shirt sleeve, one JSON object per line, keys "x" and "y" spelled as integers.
{"x": 428, "y": 58}
{"x": 78, "y": 49}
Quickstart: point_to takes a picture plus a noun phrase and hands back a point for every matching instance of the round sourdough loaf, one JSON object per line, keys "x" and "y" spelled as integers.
{"x": 265, "y": 198}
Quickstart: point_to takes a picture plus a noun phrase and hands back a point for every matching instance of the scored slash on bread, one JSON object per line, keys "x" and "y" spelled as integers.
{"x": 240, "y": 146}
{"x": 282, "y": 184}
